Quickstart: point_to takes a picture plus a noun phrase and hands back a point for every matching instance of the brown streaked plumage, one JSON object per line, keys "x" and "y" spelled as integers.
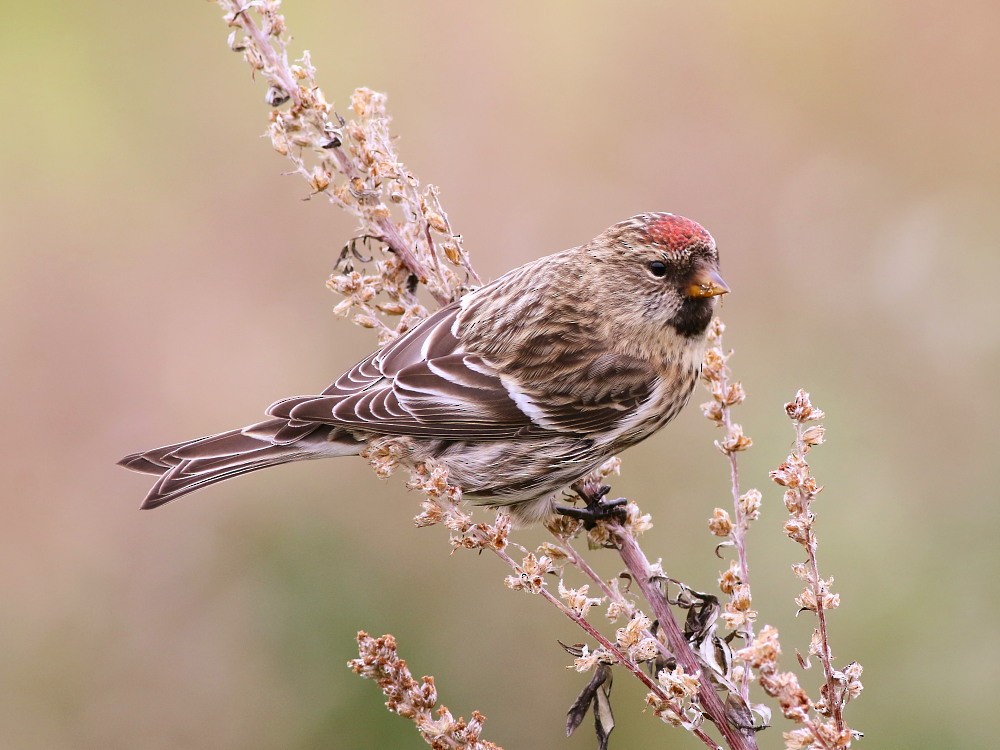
{"x": 519, "y": 389}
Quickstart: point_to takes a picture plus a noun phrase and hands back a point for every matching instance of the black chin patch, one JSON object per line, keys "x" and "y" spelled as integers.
{"x": 693, "y": 317}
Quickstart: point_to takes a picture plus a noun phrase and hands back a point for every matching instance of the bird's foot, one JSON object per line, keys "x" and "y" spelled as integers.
{"x": 597, "y": 508}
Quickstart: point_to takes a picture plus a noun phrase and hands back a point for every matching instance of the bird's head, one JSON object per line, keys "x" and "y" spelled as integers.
{"x": 660, "y": 268}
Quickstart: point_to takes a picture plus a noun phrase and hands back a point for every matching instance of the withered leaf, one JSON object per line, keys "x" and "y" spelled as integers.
{"x": 575, "y": 650}
{"x": 804, "y": 661}
{"x": 596, "y": 693}
{"x": 738, "y": 714}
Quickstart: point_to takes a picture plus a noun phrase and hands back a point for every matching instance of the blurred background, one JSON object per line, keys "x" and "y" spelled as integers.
{"x": 161, "y": 280}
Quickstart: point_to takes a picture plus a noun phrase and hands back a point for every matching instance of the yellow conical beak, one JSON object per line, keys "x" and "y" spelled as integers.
{"x": 707, "y": 283}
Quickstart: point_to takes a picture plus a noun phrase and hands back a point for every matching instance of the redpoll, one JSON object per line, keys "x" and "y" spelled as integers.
{"x": 518, "y": 389}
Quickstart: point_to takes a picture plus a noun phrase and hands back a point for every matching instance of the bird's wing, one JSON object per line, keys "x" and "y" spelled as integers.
{"x": 422, "y": 384}
{"x": 425, "y": 384}
{"x": 592, "y": 394}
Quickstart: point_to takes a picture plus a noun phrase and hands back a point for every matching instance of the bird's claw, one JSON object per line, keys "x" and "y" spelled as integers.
{"x": 597, "y": 508}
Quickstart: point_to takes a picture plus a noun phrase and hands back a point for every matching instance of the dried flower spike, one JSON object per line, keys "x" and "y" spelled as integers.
{"x": 825, "y": 727}
{"x": 378, "y": 660}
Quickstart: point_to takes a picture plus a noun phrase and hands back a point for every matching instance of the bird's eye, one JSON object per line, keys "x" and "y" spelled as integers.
{"x": 658, "y": 268}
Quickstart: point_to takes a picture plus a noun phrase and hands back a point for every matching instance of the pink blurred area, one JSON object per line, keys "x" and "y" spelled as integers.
{"x": 162, "y": 280}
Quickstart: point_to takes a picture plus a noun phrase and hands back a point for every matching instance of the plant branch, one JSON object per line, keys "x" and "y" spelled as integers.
{"x": 820, "y": 594}
{"x": 372, "y": 178}
{"x": 638, "y": 565}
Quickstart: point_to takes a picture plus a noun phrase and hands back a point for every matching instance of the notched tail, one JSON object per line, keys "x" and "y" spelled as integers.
{"x": 186, "y": 467}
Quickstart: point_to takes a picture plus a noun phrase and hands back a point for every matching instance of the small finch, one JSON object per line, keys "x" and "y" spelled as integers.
{"x": 520, "y": 388}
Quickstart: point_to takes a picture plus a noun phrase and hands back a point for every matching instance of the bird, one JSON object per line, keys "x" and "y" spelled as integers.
{"x": 519, "y": 388}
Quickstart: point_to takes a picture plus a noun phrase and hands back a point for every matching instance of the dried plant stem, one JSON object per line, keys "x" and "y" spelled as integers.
{"x": 738, "y": 534}
{"x": 278, "y": 63}
{"x": 638, "y": 565}
{"x": 593, "y": 632}
{"x": 445, "y": 506}
{"x": 612, "y": 594}
{"x": 620, "y": 656}
{"x": 378, "y": 660}
{"x": 355, "y": 164}
{"x": 825, "y": 655}
{"x": 581, "y": 563}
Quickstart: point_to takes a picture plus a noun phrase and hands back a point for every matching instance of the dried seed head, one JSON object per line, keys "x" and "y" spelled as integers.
{"x": 784, "y": 686}
{"x": 558, "y": 555}
{"x": 730, "y": 578}
{"x": 636, "y": 522}
{"x": 633, "y": 640}
{"x": 617, "y": 610}
{"x": 741, "y": 598}
{"x": 589, "y": 659}
{"x": 385, "y": 454}
{"x": 437, "y": 223}
{"x": 791, "y": 473}
{"x": 530, "y": 574}
{"x": 811, "y": 601}
{"x": 800, "y": 409}
{"x": 712, "y": 410}
{"x": 764, "y": 651}
{"x": 478, "y": 536}
{"x": 431, "y": 478}
{"x": 678, "y": 683}
{"x": 719, "y": 524}
{"x": 320, "y": 179}
{"x": 645, "y": 650}
{"x": 793, "y": 500}
{"x": 451, "y": 252}
{"x": 734, "y": 441}
{"x": 737, "y": 613}
{"x": 715, "y": 329}
{"x": 750, "y": 504}
{"x": 562, "y": 526}
{"x": 577, "y": 599}
{"x": 813, "y": 436}
{"x": 816, "y": 647}
{"x": 714, "y": 364}
{"x": 798, "y": 530}
{"x": 854, "y": 687}
{"x": 735, "y": 395}
{"x": 800, "y": 739}
{"x": 802, "y": 571}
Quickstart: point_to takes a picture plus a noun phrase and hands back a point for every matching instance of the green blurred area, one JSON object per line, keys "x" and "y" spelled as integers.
{"x": 161, "y": 280}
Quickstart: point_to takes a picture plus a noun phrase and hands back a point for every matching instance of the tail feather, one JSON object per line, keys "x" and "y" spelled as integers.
{"x": 144, "y": 463}
{"x": 185, "y": 467}
{"x": 282, "y": 431}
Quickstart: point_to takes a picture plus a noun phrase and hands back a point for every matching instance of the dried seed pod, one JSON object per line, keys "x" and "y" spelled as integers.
{"x": 275, "y": 96}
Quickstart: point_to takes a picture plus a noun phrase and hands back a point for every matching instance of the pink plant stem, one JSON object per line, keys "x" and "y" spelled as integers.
{"x": 591, "y": 631}
{"x": 740, "y": 528}
{"x": 620, "y": 656}
{"x": 831, "y": 687}
{"x": 739, "y": 537}
{"x": 637, "y": 563}
{"x": 577, "y": 559}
